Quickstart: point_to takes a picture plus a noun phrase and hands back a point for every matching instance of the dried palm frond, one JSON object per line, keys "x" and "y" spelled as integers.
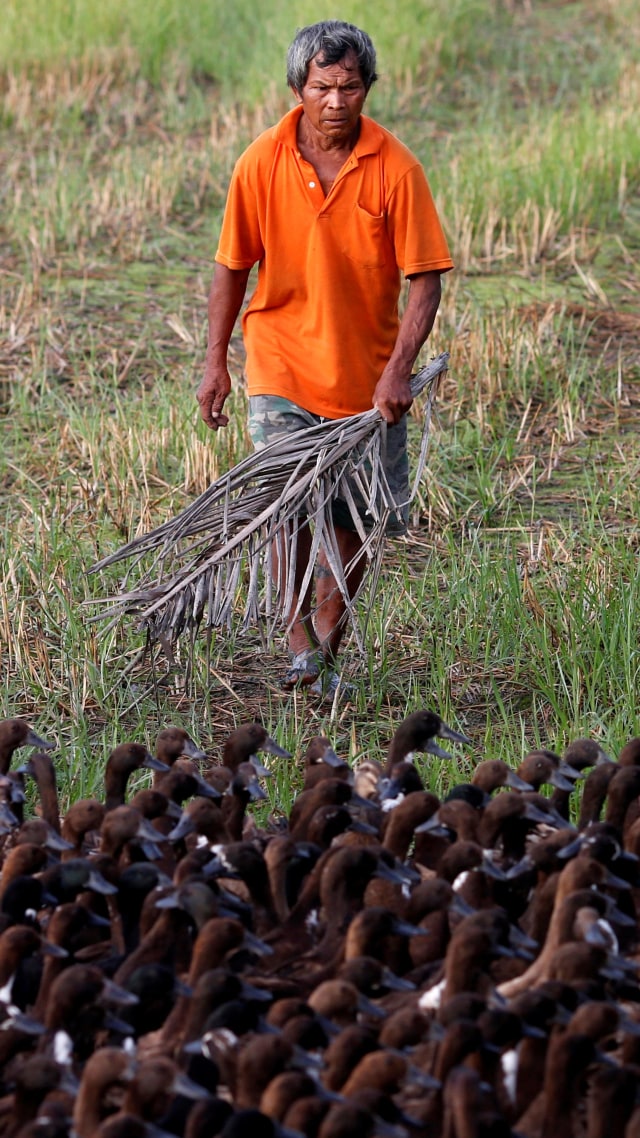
{"x": 219, "y": 552}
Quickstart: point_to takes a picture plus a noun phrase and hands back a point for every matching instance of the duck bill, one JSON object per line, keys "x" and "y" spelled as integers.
{"x": 99, "y": 884}
{"x": 185, "y": 826}
{"x": 306, "y": 1061}
{"x": 33, "y": 740}
{"x": 69, "y": 1083}
{"x": 603, "y": 758}
{"x": 266, "y": 1028}
{"x": 620, "y": 918}
{"x": 206, "y": 790}
{"x": 357, "y": 826}
{"x": 256, "y": 793}
{"x": 521, "y": 940}
{"x": 398, "y": 983}
{"x": 148, "y": 833}
{"x": 491, "y": 869}
{"x": 400, "y": 927}
{"x": 570, "y": 772}
{"x": 367, "y": 1007}
{"x": 530, "y": 1031}
{"x": 388, "y": 788}
{"x": 447, "y": 732}
{"x": 601, "y": 935}
{"x": 525, "y": 865}
{"x": 421, "y": 1079}
{"x": 397, "y": 876}
{"x": 273, "y": 748}
{"x": 94, "y": 919}
{"x": 153, "y": 764}
{"x": 328, "y": 1026}
{"x": 432, "y": 748}
{"x": 190, "y": 751}
{"x": 250, "y": 992}
{"x": 514, "y": 781}
{"x": 57, "y": 843}
{"x": 433, "y": 826}
{"x": 534, "y": 814}
{"x": 188, "y": 1088}
{"x": 169, "y": 901}
{"x": 24, "y": 1023}
{"x": 615, "y": 882}
{"x": 460, "y": 907}
{"x": 119, "y": 1026}
{"x": 254, "y": 943}
{"x": 54, "y": 950}
{"x": 331, "y": 759}
{"x": 358, "y": 800}
{"x": 218, "y": 867}
{"x": 115, "y": 994}
{"x": 629, "y": 1026}
{"x": 509, "y": 953}
{"x": 571, "y": 849}
{"x": 8, "y": 820}
{"x": 560, "y": 781}
{"x": 259, "y": 768}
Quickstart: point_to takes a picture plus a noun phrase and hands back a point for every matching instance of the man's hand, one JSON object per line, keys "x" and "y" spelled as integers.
{"x": 211, "y": 395}
{"x": 225, "y": 301}
{"x": 392, "y": 396}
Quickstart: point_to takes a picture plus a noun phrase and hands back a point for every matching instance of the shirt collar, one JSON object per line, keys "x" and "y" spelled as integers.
{"x": 369, "y": 141}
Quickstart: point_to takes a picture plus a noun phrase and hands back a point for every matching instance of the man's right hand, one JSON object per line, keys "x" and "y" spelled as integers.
{"x": 211, "y": 395}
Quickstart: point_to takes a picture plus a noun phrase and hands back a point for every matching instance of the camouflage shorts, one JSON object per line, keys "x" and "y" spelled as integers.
{"x": 271, "y": 416}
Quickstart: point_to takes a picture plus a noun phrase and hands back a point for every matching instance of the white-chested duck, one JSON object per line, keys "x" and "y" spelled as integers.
{"x": 77, "y": 1013}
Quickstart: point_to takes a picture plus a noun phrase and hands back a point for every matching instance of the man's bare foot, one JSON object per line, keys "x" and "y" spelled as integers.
{"x": 303, "y": 670}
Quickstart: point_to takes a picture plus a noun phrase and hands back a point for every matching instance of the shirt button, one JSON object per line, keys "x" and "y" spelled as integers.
{"x": 312, "y": 185}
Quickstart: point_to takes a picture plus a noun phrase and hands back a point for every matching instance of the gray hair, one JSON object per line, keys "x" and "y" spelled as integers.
{"x": 333, "y": 39}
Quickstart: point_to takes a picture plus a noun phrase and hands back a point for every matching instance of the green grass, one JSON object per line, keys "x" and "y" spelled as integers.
{"x": 513, "y": 607}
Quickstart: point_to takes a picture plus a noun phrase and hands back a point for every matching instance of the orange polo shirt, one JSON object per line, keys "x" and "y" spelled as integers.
{"x": 323, "y": 319}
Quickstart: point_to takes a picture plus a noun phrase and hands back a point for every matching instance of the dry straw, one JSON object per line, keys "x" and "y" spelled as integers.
{"x": 215, "y": 560}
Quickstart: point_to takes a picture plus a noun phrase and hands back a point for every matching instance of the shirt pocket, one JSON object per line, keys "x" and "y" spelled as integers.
{"x": 366, "y": 241}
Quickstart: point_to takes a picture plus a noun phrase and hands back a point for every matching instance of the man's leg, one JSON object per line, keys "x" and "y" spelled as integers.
{"x": 330, "y": 614}
{"x": 303, "y": 642}
{"x": 270, "y": 418}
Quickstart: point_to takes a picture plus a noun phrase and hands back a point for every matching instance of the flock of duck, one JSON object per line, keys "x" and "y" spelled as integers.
{"x": 378, "y": 962}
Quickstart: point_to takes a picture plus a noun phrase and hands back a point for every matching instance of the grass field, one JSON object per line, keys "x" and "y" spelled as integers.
{"x": 514, "y": 607}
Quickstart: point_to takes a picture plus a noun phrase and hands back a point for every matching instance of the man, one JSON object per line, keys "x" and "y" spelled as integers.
{"x": 333, "y": 209}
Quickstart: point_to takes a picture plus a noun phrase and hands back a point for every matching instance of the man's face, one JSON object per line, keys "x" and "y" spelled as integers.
{"x": 332, "y": 98}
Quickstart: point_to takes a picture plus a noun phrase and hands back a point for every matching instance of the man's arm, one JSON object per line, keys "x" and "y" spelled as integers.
{"x": 392, "y": 395}
{"x": 225, "y": 301}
